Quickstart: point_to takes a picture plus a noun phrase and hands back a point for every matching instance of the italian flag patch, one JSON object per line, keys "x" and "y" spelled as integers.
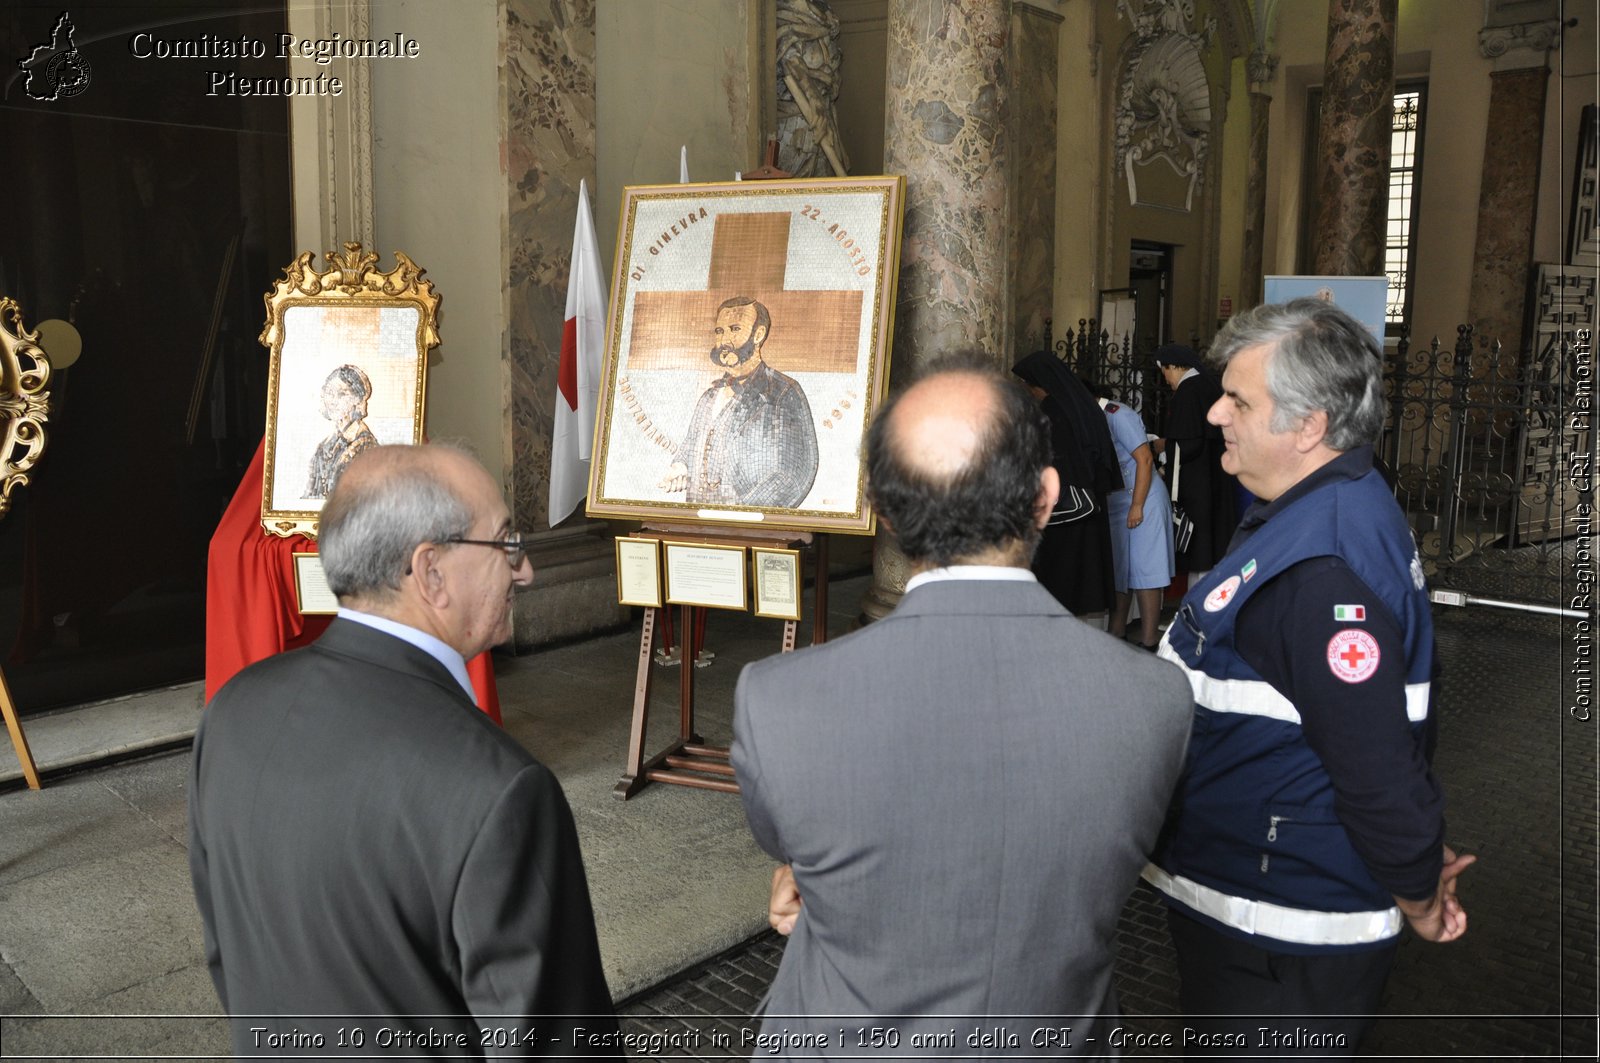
{"x": 1347, "y": 613}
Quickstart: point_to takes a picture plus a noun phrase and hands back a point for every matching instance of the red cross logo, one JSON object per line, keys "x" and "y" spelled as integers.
{"x": 1353, "y": 655}
{"x": 1222, "y": 595}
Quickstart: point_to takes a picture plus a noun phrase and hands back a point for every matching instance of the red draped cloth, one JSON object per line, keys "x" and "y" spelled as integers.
{"x": 251, "y": 608}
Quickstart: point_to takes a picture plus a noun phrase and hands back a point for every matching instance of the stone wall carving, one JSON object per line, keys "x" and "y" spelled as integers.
{"x": 1535, "y": 37}
{"x": 809, "y": 68}
{"x": 1163, "y": 115}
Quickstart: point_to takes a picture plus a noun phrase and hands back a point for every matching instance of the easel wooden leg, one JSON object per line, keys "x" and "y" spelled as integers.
{"x": 702, "y": 656}
{"x": 687, "y": 760}
{"x": 819, "y": 621}
{"x": 686, "y": 683}
{"x": 633, "y": 779}
{"x": 19, "y": 741}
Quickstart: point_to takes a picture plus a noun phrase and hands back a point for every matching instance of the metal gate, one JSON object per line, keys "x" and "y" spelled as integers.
{"x": 1494, "y": 459}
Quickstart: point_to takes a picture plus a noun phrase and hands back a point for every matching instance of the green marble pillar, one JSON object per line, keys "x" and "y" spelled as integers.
{"x": 1261, "y": 67}
{"x": 1507, "y": 203}
{"x": 1353, "y": 158}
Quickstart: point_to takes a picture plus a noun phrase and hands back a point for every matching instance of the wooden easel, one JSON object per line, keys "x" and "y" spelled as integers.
{"x": 687, "y": 760}
{"x": 19, "y": 741}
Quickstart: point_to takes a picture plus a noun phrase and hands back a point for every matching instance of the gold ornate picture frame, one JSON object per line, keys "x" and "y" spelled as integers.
{"x": 348, "y": 371}
{"x": 747, "y": 349}
{"x": 24, "y": 402}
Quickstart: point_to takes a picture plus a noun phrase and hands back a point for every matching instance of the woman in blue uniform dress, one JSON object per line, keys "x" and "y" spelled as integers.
{"x": 1141, "y": 527}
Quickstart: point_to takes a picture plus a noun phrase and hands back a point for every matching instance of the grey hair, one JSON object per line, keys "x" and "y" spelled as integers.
{"x": 1321, "y": 359}
{"x": 370, "y": 525}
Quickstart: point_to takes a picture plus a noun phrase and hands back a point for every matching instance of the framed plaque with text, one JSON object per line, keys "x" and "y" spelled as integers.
{"x": 775, "y": 575}
{"x": 706, "y": 575}
{"x": 311, "y": 590}
{"x": 639, "y": 572}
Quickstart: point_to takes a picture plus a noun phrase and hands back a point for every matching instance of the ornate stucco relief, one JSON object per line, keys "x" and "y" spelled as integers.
{"x": 1163, "y": 116}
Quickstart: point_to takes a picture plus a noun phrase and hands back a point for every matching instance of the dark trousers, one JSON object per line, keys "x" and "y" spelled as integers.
{"x": 1242, "y": 1000}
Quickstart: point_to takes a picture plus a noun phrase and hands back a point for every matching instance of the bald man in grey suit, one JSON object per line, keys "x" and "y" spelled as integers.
{"x": 962, "y": 794}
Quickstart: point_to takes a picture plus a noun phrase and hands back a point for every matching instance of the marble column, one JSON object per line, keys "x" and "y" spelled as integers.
{"x": 1353, "y": 158}
{"x": 1034, "y": 59}
{"x": 331, "y": 136}
{"x": 1508, "y": 194}
{"x": 946, "y": 114}
{"x": 1259, "y": 68}
{"x": 549, "y": 82}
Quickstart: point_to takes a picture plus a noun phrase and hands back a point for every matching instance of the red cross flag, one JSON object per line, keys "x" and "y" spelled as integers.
{"x": 578, "y": 381}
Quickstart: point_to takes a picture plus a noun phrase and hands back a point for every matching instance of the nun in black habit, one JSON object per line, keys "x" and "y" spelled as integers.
{"x": 1204, "y": 491}
{"x": 1074, "y": 559}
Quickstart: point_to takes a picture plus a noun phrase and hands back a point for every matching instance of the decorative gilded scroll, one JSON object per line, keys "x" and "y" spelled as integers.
{"x": 349, "y": 371}
{"x": 24, "y": 402}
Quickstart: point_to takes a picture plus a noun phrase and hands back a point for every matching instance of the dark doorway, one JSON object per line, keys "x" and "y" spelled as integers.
{"x": 151, "y": 215}
{"x": 1150, "y": 276}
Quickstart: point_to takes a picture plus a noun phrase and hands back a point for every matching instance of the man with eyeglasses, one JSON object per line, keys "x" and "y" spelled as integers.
{"x": 369, "y": 852}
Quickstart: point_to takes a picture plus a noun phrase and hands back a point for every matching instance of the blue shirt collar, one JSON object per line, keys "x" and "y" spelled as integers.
{"x": 454, "y": 663}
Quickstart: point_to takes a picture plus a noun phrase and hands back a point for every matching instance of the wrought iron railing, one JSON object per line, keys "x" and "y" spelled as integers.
{"x": 1483, "y": 446}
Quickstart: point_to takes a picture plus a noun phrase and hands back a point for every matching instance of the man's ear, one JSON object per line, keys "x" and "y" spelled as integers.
{"x": 1044, "y": 503}
{"x": 1312, "y": 431}
{"x": 426, "y": 575}
{"x": 759, "y": 335}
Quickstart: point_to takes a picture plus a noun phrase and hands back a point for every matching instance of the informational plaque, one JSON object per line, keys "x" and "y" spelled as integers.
{"x": 702, "y": 574}
{"x": 1363, "y": 298}
{"x": 775, "y": 574}
{"x": 311, "y": 587}
{"x": 639, "y": 572}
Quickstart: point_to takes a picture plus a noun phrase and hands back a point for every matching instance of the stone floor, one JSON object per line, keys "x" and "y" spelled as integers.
{"x": 1520, "y": 773}
{"x": 99, "y": 941}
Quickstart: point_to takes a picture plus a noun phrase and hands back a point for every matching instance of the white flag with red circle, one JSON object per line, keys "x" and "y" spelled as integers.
{"x": 583, "y": 337}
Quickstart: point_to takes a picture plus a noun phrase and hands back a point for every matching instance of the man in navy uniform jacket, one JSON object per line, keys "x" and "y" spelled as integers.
{"x": 1308, "y": 827}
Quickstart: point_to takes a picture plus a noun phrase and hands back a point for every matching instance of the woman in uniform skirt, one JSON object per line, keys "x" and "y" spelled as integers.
{"x": 1141, "y": 526}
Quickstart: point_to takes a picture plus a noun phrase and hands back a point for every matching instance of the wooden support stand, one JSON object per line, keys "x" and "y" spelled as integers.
{"x": 687, "y": 760}
{"x": 19, "y": 741}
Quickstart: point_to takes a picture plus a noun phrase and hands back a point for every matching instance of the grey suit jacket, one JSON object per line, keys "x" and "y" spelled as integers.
{"x": 967, "y": 791}
{"x": 366, "y": 845}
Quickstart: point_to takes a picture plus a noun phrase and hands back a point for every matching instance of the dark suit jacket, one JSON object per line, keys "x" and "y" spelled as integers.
{"x": 967, "y": 790}
{"x": 365, "y": 842}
